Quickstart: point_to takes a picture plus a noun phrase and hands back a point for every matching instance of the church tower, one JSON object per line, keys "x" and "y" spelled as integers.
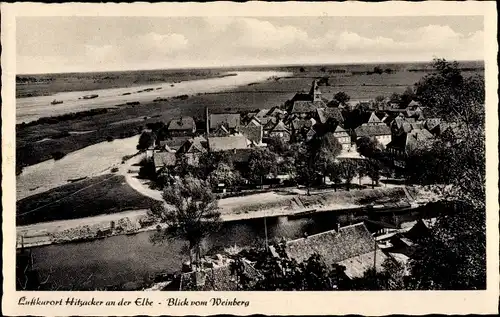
{"x": 315, "y": 92}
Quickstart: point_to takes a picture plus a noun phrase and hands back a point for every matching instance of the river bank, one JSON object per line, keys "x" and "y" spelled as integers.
{"x": 127, "y": 114}
{"x": 232, "y": 209}
{"x": 131, "y": 262}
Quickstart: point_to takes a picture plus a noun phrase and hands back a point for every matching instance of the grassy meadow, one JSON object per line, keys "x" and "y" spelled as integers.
{"x": 104, "y": 194}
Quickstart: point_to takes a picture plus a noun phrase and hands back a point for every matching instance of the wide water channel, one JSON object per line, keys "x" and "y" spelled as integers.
{"x": 33, "y": 108}
{"x": 134, "y": 258}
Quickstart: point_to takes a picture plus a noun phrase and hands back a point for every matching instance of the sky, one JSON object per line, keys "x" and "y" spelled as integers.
{"x": 82, "y": 44}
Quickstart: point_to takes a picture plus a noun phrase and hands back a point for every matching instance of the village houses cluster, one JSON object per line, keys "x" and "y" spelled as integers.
{"x": 398, "y": 130}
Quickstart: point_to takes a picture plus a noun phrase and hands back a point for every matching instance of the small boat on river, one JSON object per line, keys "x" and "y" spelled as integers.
{"x": 56, "y": 102}
{"x": 90, "y": 96}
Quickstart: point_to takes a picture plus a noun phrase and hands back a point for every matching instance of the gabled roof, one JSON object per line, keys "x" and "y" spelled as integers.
{"x": 340, "y": 129}
{"x": 372, "y": 130}
{"x": 161, "y": 159}
{"x": 353, "y": 246}
{"x": 176, "y": 142}
{"x": 254, "y": 122}
{"x": 164, "y": 146}
{"x": 275, "y": 111}
{"x": 228, "y": 143}
{"x": 373, "y": 118}
{"x": 262, "y": 113}
{"x": 229, "y": 120}
{"x": 271, "y": 122}
{"x": 298, "y": 124}
{"x": 307, "y": 106}
{"x": 253, "y": 132}
{"x": 329, "y": 113}
{"x": 409, "y": 141}
{"x": 413, "y": 104}
{"x": 221, "y": 130}
{"x": 266, "y": 120}
{"x": 279, "y": 127}
{"x": 192, "y": 146}
{"x": 183, "y": 123}
{"x": 431, "y": 123}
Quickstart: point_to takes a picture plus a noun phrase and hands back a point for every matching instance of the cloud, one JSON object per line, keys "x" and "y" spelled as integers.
{"x": 226, "y": 41}
{"x": 430, "y": 40}
{"x": 353, "y": 41}
{"x": 259, "y": 34}
{"x": 162, "y": 42}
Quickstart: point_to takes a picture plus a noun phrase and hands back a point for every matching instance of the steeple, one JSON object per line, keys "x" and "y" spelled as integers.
{"x": 315, "y": 92}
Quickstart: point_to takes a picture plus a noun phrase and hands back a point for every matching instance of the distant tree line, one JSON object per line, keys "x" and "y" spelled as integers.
{"x": 64, "y": 117}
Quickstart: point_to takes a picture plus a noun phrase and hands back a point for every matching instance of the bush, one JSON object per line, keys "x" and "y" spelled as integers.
{"x": 58, "y": 155}
{"x": 114, "y": 170}
{"x": 109, "y": 138}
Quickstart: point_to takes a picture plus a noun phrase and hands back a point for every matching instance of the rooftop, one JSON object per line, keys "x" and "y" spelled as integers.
{"x": 372, "y": 130}
{"x": 329, "y": 113}
{"x": 230, "y": 120}
{"x": 183, "y": 123}
{"x": 162, "y": 159}
{"x": 352, "y": 246}
{"x": 307, "y": 106}
{"x": 228, "y": 143}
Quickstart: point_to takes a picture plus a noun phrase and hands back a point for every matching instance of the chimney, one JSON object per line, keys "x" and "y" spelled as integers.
{"x": 206, "y": 121}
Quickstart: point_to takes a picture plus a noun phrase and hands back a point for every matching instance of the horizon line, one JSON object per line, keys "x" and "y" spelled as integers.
{"x": 247, "y": 66}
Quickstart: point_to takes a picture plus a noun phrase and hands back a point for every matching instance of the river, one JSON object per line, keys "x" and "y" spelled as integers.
{"x": 93, "y": 160}
{"x": 121, "y": 259}
{"x": 32, "y": 108}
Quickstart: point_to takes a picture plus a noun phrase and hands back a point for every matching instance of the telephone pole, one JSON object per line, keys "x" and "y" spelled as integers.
{"x": 265, "y": 232}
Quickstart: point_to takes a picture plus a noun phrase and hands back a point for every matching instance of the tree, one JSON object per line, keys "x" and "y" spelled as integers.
{"x": 208, "y": 161}
{"x": 454, "y": 257}
{"x": 146, "y": 140}
{"x": 368, "y": 147}
{"x": 302, "y": 69}
{"x": 378, "y": 70}
{"x": 348, "y": 169}
{"x": 373, "y": 170}
{"x": 392, "y": 277}
{"x": 224, "y": 174}
{"x": 324, "y": 150}
{"x": 334, "y": 174}
{"x": 306, "y": 171}
{"x": 278, "y": 145}
{"x": 342, "y": 98}
{"x": 183, "y": 168}
{"x": 406, "y": 97}
{"x": 451, "y": 96}
{"x": 379, "y": 103}
{"x": 191, "y": 213}
{"x": 261, "y": 163}
{"x": 395, "y": 98}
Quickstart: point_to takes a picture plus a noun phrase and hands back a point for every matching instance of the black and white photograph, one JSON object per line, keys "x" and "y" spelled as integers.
{"x": 250, "y": 153}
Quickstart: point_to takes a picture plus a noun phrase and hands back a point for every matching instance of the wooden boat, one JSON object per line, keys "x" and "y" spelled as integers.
{"x": 72, "y": 180}
{"x": 90, "y": 96}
